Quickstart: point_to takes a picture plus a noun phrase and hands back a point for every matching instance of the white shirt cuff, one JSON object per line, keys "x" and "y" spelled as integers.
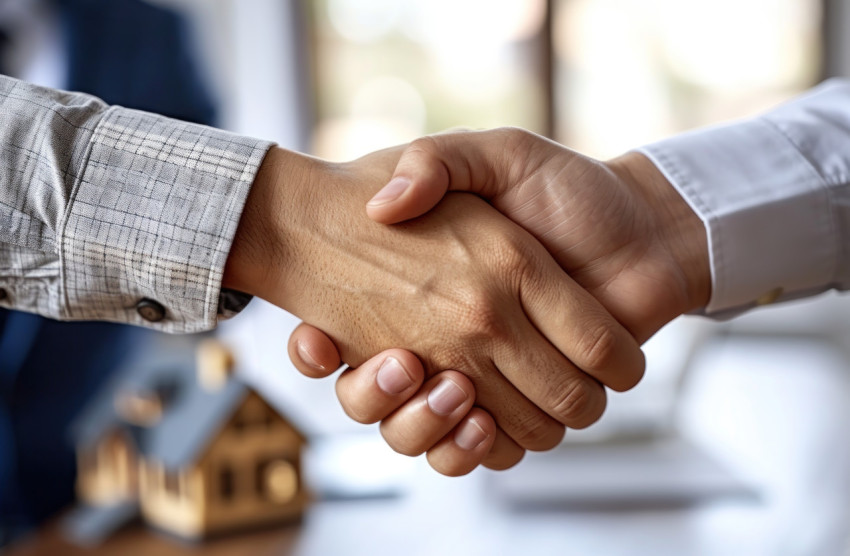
{"x": 763, "y": 190}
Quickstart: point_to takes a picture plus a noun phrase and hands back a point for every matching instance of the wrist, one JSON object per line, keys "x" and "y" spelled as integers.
{"x": 258, "y": 261}
{"x": 678, "y": 228}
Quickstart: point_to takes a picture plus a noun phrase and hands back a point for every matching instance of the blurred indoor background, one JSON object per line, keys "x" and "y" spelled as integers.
{"x": 732, "y": 444}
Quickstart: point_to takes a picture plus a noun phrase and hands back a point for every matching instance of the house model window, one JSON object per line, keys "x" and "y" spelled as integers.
{"x": 278, "y": 481}
{"x": 226, "y": 484}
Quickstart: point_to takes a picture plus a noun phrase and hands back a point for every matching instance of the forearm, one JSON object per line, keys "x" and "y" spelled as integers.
{"x": 774, "y": 196}
{"x": 103, "y": 208}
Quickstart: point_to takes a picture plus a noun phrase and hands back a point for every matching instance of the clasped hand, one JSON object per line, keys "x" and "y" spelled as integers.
{"x": 530, "y": 326}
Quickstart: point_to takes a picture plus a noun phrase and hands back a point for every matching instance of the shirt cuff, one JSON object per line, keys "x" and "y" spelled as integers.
{"x": 766, "y": 209}
{"x": 151, "y": 221}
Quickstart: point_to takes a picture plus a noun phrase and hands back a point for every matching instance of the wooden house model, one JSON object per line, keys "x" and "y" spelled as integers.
{"x": 194, "y": 454}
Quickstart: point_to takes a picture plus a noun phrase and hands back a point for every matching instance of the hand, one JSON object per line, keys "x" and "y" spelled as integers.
{"x": 618, "y": 228}
{"x": 463, "y": 288}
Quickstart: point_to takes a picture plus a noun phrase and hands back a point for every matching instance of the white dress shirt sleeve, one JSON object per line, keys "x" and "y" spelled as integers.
{"x": 114, "y": 214}
{"x": 774, "y": 196}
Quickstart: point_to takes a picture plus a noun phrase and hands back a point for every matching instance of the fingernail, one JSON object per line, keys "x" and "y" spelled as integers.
{"x": 390, "y": 192}
{"x": 392, "y": 377}
{"x": 446, "y": 397}
{"x": 470, "y": 435}
{"x": 307, "y": 357}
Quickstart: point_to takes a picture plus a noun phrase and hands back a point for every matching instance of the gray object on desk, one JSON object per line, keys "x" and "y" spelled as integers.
{"x": 618, "y": 475}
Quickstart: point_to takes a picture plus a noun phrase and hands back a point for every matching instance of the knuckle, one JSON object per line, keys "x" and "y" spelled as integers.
{"x": 597, "y": 348}
{"x": 422, "y": 145}
{"x": 509, "y": 254}
{"x": 576, "y": 404}
{"x": 513, "y": 133}
{"x": 480, "y": 318}
{"x": 511, "y": 259}
{"x": 503, "y": 461}
{"x": 537, "y": 432}
{"x": 515, "y": 139}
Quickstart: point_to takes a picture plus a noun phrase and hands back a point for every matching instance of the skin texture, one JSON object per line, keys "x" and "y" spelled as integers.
{"x": 462, "y": 288}
{"x": 618, "y": 227}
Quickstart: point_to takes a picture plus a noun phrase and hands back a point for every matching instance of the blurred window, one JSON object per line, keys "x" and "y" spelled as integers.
{"x": 226, "y": 483}
{"x": 628, "y": 73}
{"x": 388, "y": 72}
{"x": 601, "y": 76}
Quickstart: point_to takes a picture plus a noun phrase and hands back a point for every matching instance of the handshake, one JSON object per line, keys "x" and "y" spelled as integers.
{"x": 516, "y": 302}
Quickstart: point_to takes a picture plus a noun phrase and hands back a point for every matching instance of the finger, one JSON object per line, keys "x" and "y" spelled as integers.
{"x": 312, "y": 352}
{"x": 564, "y": 392}
{"x": 527, "y": 425}
{"x": 478, "y": 162}
{"x": 504, "y": 454}
{"x": 419, "y": 182}
{"x": 379, "y": 386}
{"x": 579, "y": 327}
{"x": 466, "y": 446}
{"x": 361, "y": 396}
{"x": 430, "y": 415}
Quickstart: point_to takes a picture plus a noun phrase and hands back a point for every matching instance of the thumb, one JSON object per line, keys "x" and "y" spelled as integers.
{"x": 431, "y": 166}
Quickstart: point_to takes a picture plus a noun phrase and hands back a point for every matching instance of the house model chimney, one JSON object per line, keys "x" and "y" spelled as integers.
{"x": 214, "y": 364}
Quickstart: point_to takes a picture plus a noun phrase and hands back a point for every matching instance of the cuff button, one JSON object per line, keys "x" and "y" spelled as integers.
{"x": 770, "y": 297}
{"x": 150, "y": 310}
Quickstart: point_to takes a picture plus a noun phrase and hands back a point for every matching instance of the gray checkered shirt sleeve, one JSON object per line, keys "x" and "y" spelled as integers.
{"x": 102, "y": 208}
